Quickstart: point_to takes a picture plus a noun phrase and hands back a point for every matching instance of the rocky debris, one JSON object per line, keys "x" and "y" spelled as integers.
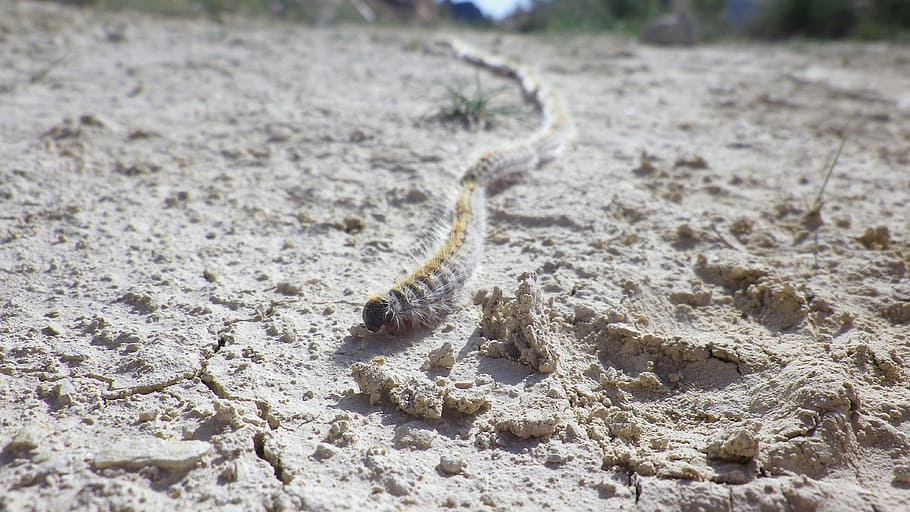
{"x": 898, "y": 313}
{"x": 324, "y": 451}
{"x": 284, "y": 328}
{"x": 533, "y": 417}
{"x": 876, "y": 238}
{"x": 413, "y": 435}
{"x": 697, "y": 297}
{"x": 441, "y": 357}
{"x": 776, "y": 303}
{"x": 729, "y": 273}
{"x": 168, "y": 455}
{"x": 29, "y": 437}
{"x": 465, "y": 401}
{"x": 416, "y": 395}
{"x": 451, "y": 464}
{"x": 902, "y": 472}
{"x": 340, "y": 432}
{"x": 739, "y": 444}
{"x": 519, "y": 328}
{"x": 374, "y": 379}
{"x": 64, "y": 392}
{"x": 532, "y": 425}
{"x": 142, "y": 303}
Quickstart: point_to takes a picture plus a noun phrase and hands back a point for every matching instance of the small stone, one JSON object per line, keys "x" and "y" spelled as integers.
{"x": 418, "y": 397}
{"x": 742, "y": 226}
{"x": 659, "y": 443}
{"x": 286, "y": 288}
{"x": 163, "y": 454}
{"x": 148, "y": 415}
{"x": 876, "y": 238}
{"x": 373, "y": 379}
{"x": 606, "y": 487}
{"x": 52, "y": 329}
{"x": 466, "y": 401}
{"x": 30, "y": 437}
{"x": 902, "y": 472}
{"x": 324, "y": 451}
{"x": 414, "y": 435}
{"x": 738, "y": 444}
{"x": 555, "y": 457}
{"x": 64, "y": 391}
{"x": 142, "y": 303}
{"x": 341, "y": 433}
{"x": 527, "y": 427}
{"x": 353, "y": 224}
{"x": 284, "y": 328}
{"x": 442, "y": 357}
{"x": 452, "y": 464}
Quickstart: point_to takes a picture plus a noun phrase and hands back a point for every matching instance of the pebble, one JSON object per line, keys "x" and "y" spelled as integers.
{"x": 164, "y": 454}
{"x": 64, "y": 391}
{"x": 148, "y": 415}
{"x": 452, "y": 464}
{"x": 324, "y": 451}
{"x": 30, "y": 436}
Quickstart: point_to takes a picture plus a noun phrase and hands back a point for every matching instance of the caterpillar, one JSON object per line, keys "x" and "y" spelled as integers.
{"x": 424, "y": 297}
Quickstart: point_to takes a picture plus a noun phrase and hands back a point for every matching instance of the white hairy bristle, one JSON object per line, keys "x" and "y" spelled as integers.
{"x": 431, "y": 292}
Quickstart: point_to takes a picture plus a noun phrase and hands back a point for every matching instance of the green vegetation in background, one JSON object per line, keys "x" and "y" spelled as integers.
{"x": 812, "y": 18}
{"x": 589, "y": 15}
{"x": 774, "y": 19}
{"x": 870, "y": 19}
{"x": 292, "y": 10}
{"x": 887, "y": 19}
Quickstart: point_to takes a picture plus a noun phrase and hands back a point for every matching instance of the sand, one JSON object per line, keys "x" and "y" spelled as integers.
{"x": 192, "y": 214}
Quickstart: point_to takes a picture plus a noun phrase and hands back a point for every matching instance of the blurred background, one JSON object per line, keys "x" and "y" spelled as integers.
{"x": 655, "y": 21}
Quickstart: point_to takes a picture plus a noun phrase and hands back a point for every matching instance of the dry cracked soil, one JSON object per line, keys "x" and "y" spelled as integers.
{"x": 192, "y": 214}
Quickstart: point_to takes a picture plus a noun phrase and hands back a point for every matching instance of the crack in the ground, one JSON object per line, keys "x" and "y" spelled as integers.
{"x": 205, "y": 377}
{"x": 263, "y": 409}
{"x": 154, "y": 387}
{"x": 146, "y": 389}
{"x": 271, "y": 458}
{"x": 713, "y": 354}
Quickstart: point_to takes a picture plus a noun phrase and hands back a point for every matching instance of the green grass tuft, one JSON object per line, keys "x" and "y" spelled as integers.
{"x": 473, "y": 109}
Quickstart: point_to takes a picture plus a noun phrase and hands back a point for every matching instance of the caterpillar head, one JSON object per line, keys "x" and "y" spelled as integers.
{"x": 376, "y": 314}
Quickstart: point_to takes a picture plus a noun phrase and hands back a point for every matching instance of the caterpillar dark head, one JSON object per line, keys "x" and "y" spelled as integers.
{"x": 376, "y": 313}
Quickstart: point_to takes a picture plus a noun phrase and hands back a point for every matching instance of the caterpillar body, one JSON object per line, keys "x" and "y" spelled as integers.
{"x": 423, "y": 298}
{"x": 427, "y": 295}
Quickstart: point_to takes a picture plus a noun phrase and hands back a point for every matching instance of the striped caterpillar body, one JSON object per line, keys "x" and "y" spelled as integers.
{"x": 430, "y": 293}
{"x": 423, "y": 298}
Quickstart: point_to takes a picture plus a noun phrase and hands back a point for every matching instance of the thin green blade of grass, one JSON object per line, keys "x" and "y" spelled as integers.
{"x": 817, "y": 205}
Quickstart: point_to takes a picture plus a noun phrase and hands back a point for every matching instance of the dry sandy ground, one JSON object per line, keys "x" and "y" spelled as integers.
{"x": 191, "y": 215}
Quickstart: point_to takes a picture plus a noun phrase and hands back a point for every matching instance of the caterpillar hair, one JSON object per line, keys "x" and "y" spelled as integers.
{"x": 424, "y": 297}
{"x": 427, "y": 295}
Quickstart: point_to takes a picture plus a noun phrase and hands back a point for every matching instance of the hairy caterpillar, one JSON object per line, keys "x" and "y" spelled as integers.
{"x": 423, "y": 298}
{"x": 430, "y": 293}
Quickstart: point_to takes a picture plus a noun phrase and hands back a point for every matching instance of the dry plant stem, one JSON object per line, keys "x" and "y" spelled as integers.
{"x": 817, "y": 205}
{"x": 813, "y": 216}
